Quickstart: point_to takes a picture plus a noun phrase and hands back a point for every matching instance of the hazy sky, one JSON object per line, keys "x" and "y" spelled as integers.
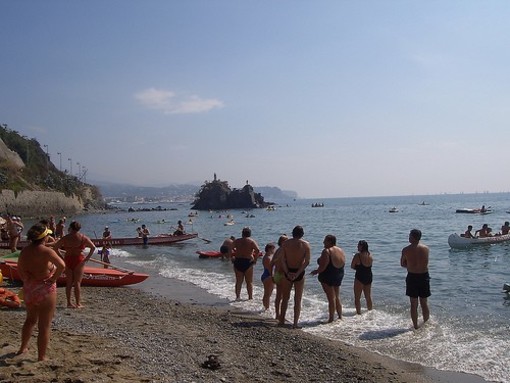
{"x": 326, "y": 98}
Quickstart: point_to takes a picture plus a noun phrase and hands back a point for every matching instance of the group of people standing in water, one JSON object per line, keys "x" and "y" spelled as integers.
{"x": 284, "y": 268}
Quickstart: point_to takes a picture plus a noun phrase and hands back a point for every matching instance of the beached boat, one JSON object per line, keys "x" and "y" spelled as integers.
{"x": 92, "y": 276}
{"x": 457, "y": 242}
{"x": 208, "y": 254}
{"x": 160, "y": 239}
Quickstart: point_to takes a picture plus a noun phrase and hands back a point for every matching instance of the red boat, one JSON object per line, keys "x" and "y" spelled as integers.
{"x": 160, "y": 239}
{"x": 92, "y": 276}
{"x": 208, "y": 254}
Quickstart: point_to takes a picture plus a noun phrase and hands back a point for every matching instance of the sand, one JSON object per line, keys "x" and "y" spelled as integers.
{"x": 169, "y": 331}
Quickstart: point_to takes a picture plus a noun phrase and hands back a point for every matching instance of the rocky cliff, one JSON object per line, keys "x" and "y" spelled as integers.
{"x": 30, "y": 185}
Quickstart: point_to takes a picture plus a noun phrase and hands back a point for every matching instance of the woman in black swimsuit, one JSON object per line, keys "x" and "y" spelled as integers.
{"x": 362, "y": 263}
{"x": 331, "y": 273}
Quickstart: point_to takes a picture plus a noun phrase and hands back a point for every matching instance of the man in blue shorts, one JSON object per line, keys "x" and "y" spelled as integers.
{"x": 415, "y": 258}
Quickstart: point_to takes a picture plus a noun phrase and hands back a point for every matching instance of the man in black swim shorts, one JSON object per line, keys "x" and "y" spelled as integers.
{"x": 295, "y": 259}
{"x": 415, "y": 258}
{"x": 246, "y": 252}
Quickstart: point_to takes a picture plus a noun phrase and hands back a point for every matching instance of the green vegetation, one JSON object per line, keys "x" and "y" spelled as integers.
{"x": 39, "y": 172}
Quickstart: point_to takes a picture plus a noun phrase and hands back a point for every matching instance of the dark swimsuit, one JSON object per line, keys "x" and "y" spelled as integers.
{"x": 242, "y": 264}
{"x": 363, "y": 273}
{"x": 292, "y": 270}
{"x": 331, "y": 276}
{"x": 418, "y": 285}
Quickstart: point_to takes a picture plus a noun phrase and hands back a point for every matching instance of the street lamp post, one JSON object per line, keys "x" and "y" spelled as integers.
{"x": 47, "y": 156}
{"x": 79, "y": 170}
{"x": 70, "y": 166}
{"x": 60, "y": 160}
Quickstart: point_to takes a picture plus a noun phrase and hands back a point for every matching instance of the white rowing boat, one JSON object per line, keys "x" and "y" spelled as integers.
{"x": 457, "y": 242}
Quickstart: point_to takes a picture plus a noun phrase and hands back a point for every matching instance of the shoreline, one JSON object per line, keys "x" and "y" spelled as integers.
{"x": 188, "y": 293}
{"x": 164, "y": 330}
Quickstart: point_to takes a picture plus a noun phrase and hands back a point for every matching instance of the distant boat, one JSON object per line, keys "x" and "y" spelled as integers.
{"x": 393, "y": 210}
{"x": 423, "y": 203}
{"x": 473, "y": 211}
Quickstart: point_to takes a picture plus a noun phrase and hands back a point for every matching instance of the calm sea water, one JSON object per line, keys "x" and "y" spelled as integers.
{"x": 470, "y": 315}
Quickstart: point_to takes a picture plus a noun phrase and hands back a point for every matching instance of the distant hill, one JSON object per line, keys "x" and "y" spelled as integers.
{"x": 184, "y": 192}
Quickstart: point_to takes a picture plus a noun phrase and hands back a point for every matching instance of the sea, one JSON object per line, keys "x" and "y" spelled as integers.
{"x": 470, "y": 314}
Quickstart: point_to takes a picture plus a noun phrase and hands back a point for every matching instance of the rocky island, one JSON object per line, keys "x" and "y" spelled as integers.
{"x": 217, "y": 195}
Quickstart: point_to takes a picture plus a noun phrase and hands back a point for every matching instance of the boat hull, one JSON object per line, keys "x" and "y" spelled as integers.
{"x": 457, "y": 242}
{"x": 161, "y": 239}
{"x": 92, "y": 276}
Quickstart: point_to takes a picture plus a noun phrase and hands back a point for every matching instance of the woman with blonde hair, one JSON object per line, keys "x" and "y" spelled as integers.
{"x": 39, "y": 267}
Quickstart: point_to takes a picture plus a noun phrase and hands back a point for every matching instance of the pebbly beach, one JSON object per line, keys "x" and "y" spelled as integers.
{"x": 165, "y": 330}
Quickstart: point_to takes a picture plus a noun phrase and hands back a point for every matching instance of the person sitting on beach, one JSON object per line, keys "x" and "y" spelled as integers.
{"x": 180, "y": 228}
{"x": 467, "y": 233}
{"x": 39, "y": 267}
{"x": 331, "y": 273}
{"x": 226, "y": 248}
{"x": 267, "y": 274}
{"x": 14, "y": 229}
{"x": 73, "y": 244}
{"x": 415, "y": 258}
{"x": 246, "y": 253}
{"x": 295, "y": 259}
{"x": 362, "y": 263}
{"x": 483, "y": 232}
{"x": 276, "y": 266}
{"x": 505, "y": 229}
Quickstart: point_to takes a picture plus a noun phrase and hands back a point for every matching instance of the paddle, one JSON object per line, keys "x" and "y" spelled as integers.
{"x": 204, "y": 239}
{"x": 110, "y": 265}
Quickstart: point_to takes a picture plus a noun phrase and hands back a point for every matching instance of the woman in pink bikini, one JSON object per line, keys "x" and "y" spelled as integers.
{"x": 73, "y": 244}
{"x": 39, "y": 267}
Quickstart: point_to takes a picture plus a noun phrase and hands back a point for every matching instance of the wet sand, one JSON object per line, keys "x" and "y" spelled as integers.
{"x": 166, "y": 330}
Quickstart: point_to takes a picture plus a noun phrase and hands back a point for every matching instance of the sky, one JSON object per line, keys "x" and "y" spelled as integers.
{"x": 324, "y": 98}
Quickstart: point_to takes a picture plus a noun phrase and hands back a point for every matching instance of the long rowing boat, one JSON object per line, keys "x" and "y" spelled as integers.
{"x": 457, "y": 242}
{"x": 92, "y": 276}
{"x": 160, "y": 239}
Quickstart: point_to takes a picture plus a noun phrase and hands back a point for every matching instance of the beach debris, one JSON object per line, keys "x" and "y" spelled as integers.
{"x": 212, "y": 363}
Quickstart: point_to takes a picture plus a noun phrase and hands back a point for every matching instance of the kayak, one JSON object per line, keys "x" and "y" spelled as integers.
{"x": 457, "y": 242}
{"x": 92, "y": 276}
{"x": 208, "y": 254}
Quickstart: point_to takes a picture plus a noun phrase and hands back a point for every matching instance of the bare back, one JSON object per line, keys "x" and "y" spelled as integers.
{"x": 246, "y": 248}
{"x": 295, "y": 252}
{"x": 415, "y": 258}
